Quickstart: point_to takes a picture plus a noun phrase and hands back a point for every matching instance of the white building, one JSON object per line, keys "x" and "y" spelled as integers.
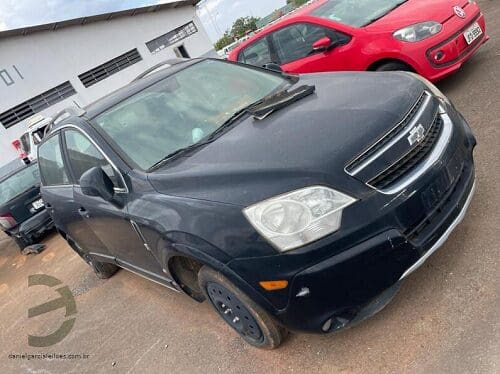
{"x": 45, "y": 68}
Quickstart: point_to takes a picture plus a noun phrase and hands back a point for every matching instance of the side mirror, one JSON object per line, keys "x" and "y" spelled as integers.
{"x": 323, "y": 44}
{"x": 95, "y": 182}
{"x": 274, "y": 67}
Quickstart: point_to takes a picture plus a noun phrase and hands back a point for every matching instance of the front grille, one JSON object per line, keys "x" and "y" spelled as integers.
{"x": 411, "y": 160}
{"x": 388, "y": 136}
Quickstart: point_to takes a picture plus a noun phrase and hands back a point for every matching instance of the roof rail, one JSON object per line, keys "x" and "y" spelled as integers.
{"x": 64, "y": 114}
{"x": 170, "y": 62}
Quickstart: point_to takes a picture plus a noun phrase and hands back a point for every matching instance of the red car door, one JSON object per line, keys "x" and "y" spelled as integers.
{"x": 294, "y": 47}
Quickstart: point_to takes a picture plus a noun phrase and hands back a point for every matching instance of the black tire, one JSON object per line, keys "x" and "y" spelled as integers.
{"x": 102, "y": 270}
{"x": 248, "y": 319}
{"x": 23, "y": 242}
{"x": 394, "y": 66}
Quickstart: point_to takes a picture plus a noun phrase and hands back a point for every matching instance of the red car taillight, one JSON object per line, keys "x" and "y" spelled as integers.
{"x": 7, "y": 221}
{"x": 19, "y": 148}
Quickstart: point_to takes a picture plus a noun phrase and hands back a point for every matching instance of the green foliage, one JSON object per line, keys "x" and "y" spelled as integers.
{"x": 240, "y": 28}
{"x": 243, "y": 25}
{"x": 296, "y": 3}
{"x": 224, "y": 41}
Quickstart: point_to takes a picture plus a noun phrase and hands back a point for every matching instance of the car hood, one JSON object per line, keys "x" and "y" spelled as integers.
{"x": 416, "y": 11}
{"x": 306, "y": 143}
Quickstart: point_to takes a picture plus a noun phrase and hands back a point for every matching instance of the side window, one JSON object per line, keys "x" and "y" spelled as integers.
{"x": 83, "y": 156}
{"x": 257, "y": 54}
{"x": 51, "y": 163}
{"x": 296, "y": 41}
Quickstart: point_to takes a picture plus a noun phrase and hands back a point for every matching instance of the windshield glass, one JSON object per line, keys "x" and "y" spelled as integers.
{"x": 18, "y": 183}
{"x": 183, "y": 109}
{"x": 355, "y": 13}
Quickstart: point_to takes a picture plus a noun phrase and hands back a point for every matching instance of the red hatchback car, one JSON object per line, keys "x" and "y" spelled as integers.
{"x": 432, "y": 38}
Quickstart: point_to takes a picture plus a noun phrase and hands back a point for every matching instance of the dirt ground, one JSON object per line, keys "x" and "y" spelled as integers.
{"x": 445, "y": 318}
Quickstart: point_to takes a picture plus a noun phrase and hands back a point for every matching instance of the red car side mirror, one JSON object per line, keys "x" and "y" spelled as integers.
{"x": 322, "y": 44}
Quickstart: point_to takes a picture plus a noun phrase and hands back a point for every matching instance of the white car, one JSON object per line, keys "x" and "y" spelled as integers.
{"x": 33, "y": 136}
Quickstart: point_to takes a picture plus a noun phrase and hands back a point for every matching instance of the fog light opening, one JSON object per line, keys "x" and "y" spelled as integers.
{"x": 439, "y": 56}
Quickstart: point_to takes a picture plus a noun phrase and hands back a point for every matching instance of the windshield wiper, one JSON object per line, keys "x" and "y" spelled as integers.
{"x": 231, "y": 120}
{"x": 280, "y": 100}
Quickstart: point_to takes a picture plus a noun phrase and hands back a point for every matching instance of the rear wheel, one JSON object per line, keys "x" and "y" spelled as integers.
{"x": 103, "y": 270}
{"x": 394, "y": 66}
{"x": 248, "y": 319}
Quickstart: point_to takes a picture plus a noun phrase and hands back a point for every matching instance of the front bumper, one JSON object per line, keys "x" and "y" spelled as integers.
{"x": 451, "y": 46}
{"x": 357, "y": 283}
{"x": 364, "y": 268}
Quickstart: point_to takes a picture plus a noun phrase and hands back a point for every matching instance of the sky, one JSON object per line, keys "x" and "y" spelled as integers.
{"x": 216, "y": 15}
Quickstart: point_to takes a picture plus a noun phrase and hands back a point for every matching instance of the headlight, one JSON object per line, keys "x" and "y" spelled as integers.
{"x": 418, "y": 32}
{"x": 434, "y": 90}
{"x": 300, "y": 217}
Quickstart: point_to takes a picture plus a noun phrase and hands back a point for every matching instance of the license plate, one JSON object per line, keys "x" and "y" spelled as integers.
{"x": 433, "y": 194}
{"x": 472, "y": 33}
{"x": 38, "y": 204}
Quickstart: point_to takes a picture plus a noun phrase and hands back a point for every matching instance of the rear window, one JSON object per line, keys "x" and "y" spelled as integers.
{"x": 25, "y": 143}
{"x": 19, "y": 183}
{"x": 355, "y": 13}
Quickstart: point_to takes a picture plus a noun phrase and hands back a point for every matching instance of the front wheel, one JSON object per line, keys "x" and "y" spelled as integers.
{"x": 248, "y": 319}
{"x": 394, "y": 66}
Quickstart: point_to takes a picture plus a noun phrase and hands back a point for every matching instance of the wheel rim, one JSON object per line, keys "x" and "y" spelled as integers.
{"x": 234, "y": 312}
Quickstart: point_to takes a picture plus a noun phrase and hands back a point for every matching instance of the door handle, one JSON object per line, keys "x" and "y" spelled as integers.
{"x": 84, "y": 213}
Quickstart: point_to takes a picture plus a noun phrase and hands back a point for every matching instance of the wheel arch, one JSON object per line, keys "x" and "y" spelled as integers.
{"x": 378, "y": 63}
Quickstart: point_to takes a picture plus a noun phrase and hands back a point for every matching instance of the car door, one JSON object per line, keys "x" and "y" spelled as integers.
{"x": 109, "y": 221}
{"x": 57, "y": 194}
{"x": 294, "y": 47}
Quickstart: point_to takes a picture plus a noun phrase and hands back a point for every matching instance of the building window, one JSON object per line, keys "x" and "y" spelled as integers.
{"x": 109, "y": 68}
{"x": 36, "y": 104}
{"x": 171, "y": 37}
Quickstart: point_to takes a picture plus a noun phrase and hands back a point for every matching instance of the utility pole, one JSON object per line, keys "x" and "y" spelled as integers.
{"x": 212, "y": 19}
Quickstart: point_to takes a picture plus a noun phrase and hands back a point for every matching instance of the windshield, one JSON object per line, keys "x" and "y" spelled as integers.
{"x": 18, "y": 183}
{"x": 183, "y": 109}
{"x": 355, "y": 13}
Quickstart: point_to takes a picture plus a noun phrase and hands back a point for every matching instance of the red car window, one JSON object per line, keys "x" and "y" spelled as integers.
{"x": 296, "y": 41}
{"x": 257, "y": 54}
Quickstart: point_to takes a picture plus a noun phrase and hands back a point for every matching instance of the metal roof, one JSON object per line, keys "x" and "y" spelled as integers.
{"x": 97, "y": 18}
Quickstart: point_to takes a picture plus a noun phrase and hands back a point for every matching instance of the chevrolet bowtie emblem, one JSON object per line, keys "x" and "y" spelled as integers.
{"x": 417, "y": 134}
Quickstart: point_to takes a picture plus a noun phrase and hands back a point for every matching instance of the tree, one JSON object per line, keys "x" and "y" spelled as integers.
{"x": 224, "y": 41}
{"x": 239, "y": 29}
{"x": 296, "y": 3}
{"x": 243, "y": 25}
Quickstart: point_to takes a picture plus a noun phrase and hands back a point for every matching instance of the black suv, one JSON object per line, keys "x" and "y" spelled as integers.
{"x": 290, "y": 203}
{"x": 23, "y": 216}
